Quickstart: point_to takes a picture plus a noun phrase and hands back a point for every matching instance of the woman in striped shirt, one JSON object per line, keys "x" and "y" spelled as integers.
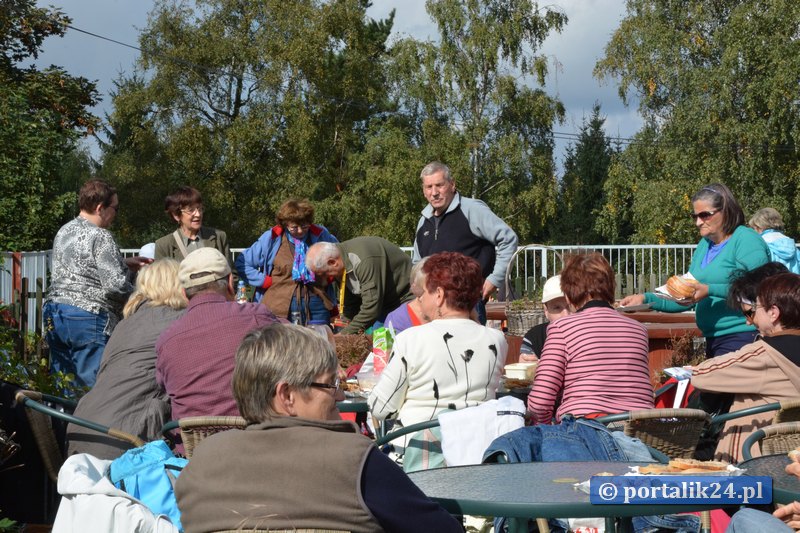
{"x": 595, "y": 360}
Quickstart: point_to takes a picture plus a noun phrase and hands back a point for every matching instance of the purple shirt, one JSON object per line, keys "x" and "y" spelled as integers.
{"x": 196, "y": 354}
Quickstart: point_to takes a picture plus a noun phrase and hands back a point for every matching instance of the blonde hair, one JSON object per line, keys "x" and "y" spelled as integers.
{"x": 157, "y": 284}
{"x": 767, "y": 218}
{"x": 417, "y": 277}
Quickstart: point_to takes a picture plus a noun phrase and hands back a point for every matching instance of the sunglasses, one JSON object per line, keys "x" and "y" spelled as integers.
{"x": 703, "y": 215}
{"x": 749, "y": 313}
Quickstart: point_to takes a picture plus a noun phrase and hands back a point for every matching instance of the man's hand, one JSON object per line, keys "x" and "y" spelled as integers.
{"x": 488, "y": 289}
{"x": 790, "y": 514}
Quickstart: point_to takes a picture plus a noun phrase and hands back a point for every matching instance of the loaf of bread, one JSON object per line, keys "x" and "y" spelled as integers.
{"x": 692, "y": 464}
{"x": 680, "y": 287}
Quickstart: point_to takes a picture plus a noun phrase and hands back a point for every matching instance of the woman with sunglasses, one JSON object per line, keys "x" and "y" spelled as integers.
{"x": 727, "y": 245}
{"x": 276, "y": 266}
{"x": 185, "y": 206}
{"x": 767, "y": 370}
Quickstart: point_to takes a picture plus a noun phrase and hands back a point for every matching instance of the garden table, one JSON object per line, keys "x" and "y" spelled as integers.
{"x": 785, "y": 487}
{"x": 522, "y": 491}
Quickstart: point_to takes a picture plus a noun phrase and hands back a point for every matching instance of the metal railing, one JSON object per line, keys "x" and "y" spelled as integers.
{"x": 638, "y": 267}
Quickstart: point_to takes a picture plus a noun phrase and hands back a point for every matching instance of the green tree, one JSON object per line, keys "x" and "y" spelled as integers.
{"x": 580, "y": 194}
{"x": 250, "y": 102}
{"x": 463, "y": 103}
{"x": 717, "y": 86}
{"x": 43, "y": 114}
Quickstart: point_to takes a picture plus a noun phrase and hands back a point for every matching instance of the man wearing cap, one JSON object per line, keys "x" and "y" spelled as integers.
{"x": 452, "y": 223}
{"x": 196, "y": 353}
{"x": 555, "y": 306}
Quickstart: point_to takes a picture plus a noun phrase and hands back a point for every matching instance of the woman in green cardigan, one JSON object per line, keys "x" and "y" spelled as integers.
{"x": 727, "y": 245}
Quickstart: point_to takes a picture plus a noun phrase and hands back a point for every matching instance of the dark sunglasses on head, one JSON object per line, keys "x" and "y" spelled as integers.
{"x": 703, "y": 215}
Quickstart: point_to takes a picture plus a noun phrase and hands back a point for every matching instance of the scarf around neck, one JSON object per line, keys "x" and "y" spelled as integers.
{"x": 300, "y": 271}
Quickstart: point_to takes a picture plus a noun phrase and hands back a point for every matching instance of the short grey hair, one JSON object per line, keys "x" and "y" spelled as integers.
{"x": 273, "y": 354}
{"x": 218, "y": 286}
{"x": 319, "y": 253}
{"x": 433, "y": 168}
{"x": 767, "y": 218}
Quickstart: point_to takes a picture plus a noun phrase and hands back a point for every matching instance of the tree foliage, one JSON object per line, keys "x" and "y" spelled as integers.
{"x": 250, "y": 102}
{"x": 580, "y": 193}
{"x": 43, "y": 113}
{"x": 717, "y": 86}
{"x": 256, "y": 102}
{"x": 467, "y": 100}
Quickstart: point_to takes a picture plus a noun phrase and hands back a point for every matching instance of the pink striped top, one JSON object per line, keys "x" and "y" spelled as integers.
{"x": 597, "y": 360}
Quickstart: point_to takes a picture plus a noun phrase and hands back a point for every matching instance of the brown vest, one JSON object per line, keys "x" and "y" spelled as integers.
{"x": 283, "y": 474}
{"x": 278, "y": 298}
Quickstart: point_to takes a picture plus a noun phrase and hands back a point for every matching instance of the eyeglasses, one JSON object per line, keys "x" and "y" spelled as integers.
{"x": 192, "y": 210}
{"x": 294, "y": 228}
{"x": 114, "y": 207}
{"x": 704, "y": 215}
{"x": 335, "y": 385}
{"x": 749, "y": 313}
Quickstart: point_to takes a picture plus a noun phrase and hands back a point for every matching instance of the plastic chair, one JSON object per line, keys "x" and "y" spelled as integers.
{"x": 673, "y": 432}
{"x": 774, "y": 439}
{"x": 196, "y": 428}
{"x": 39, "y": 417}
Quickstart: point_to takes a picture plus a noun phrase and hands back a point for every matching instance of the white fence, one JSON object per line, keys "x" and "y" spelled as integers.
{"x": 637, "y": 267}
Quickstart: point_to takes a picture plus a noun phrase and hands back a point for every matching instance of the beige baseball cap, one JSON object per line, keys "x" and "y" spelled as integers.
{"x": 552, "y": 289}
{"x": 202, "y": 266}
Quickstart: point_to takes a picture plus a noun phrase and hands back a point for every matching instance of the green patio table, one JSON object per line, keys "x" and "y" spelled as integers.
{"x": 785, "y": 487}
{"x": 523, "y": 491}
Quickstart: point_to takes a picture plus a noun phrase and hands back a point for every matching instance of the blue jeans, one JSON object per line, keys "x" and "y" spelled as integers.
{"x": 316, "y": 308}
{"x": 76, "y": 339}
{"x": 752, "y": 521}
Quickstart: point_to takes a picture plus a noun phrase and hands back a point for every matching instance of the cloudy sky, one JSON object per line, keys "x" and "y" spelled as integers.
{"x": 576, "y": 49}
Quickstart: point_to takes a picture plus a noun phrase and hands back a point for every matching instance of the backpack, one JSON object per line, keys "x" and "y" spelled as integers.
{"x": 148, "y": 473}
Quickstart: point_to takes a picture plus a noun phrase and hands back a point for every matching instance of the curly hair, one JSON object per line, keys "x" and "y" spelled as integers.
{"x": 298, "y": 211}
{"x": 460, "y": 277}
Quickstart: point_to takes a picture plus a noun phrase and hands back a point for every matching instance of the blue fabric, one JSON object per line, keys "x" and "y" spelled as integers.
{"x": 712, "y": 252}
{"x": 76, "y": 339}
{"x": 254, "y": 265}
{"x": 316, "y": 308}
{"x": 147, "y": 473}
{"x": 728, "y": 343}
{"x": 752, "y": 521}
{"x": 300, "y": 271}
{"x": 578, "y": 440}
{"x": 782, "y": 249}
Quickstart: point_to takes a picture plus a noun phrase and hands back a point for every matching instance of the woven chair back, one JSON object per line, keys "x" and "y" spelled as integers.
{"x": 789, "y": 412}
{"x": 780, "y": 438}
{"x": 673, "y": 432}
{"x": 196, "y": 428}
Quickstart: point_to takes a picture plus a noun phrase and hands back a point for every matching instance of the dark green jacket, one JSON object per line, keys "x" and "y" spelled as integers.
{"x": 377, "y": 280}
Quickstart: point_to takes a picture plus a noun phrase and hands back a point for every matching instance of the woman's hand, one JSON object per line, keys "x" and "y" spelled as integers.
{"x": 634, "y": 299}
{"x": 700, "y": 292}
{"x": 790, "y": 514}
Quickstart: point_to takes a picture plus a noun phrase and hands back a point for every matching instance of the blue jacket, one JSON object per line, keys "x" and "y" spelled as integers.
{"x": 255, "y": 264}
{"x": 782, "y": 249}
{"x": 580, "y": 440}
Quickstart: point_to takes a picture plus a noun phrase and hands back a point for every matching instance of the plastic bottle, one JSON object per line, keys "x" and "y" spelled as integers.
{"x": 241, "y": 293}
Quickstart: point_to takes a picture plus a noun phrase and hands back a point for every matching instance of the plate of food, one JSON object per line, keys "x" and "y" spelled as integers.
{"x": 679, "y": 289}
{"x": 351, "y": 389}
{"x": 688, "y": 467}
